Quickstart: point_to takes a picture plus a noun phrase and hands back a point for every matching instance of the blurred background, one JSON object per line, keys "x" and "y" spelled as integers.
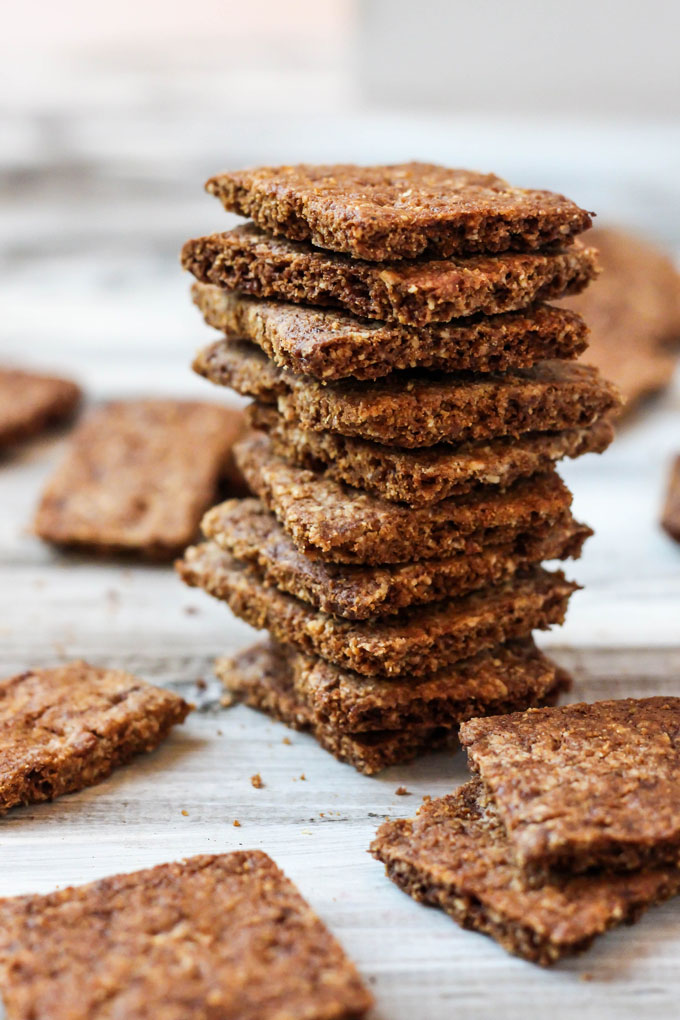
{"x": 112, "y": 117}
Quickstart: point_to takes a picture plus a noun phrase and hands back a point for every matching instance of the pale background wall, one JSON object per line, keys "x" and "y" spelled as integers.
{"x": 587, "y": 57}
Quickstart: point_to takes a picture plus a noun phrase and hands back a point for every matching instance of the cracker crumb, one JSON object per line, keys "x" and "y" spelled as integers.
{"x": 303, "y": 777}
{"x": 401, "y": 791}
{"x": 256, "y": 781}
{"x": 185, "y": 813}
{"x": 287, "y": 741}
{"x": 237, "y": 824}
{"x": 201, "y": 684}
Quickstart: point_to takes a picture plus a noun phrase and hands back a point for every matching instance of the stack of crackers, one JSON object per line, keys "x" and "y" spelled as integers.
{"x": 570, "y": 826}
{"x": 412, "y": 391}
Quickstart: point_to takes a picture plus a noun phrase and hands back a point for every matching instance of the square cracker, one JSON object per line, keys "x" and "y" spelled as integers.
{"x": 634, "y": 315}
{"x": 137, "y": 477}
{"x": 398, "y": 211}
{"x": 297, "y": 691}
{"x": 414, "y": 293}
{"x": 416, "y": 410}
{"x": 65, "y": 728}
{"x": 213, "y": 936}
{"x": 419, "y": 640}
{"x": 584, "y": 785}
{"x": 328, "y": 344}
{"x": 334, "y": 522}
{"x": 455, "y": 855}
{"x": 427, "y": 474}
{"x": 262, "y": 677}
{"x": 30, "y": 403}
{"x": 248, "y": 532}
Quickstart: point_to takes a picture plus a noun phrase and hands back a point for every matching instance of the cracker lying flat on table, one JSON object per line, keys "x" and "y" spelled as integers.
{"x": 634, "y": 315}
{"x": 584, "y": 786}
{"x": 417, "y": 640}
{"x": 138, "y": 476}
{"x": 262, "y": 678}
{"x": 398, "y": 211}
{"x": 455, "y": 855}
{"x": 418, "y": 409}
{"x": 30, "y": 403}
{"x": 331, "y": 521}
{"x": 246, "y": 530}
{"x": 515, "y": 674}
{"x": 66, "y": 728}
{"x": 188, "y": 939}
{"x": 414, "y": 293}
{"x": 670, "y": 520}
{"x": 331, "y": 345}
{"x": 427, "y": 474}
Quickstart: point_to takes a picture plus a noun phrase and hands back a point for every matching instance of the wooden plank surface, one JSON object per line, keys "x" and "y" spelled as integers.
{"x": 90, "y": 285}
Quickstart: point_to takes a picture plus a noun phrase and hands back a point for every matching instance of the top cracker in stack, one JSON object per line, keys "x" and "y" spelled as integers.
{"x": 412, "y": 392}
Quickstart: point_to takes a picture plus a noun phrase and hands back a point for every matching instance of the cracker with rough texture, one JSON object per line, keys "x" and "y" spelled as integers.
{"x": 670, "y": 519}
{"x": 414, "y": 293}
{"x": 515, "y": 674}
{"x": 428, "y": 474}
{"x": 584, "y": 786}
{"x": 188, "y": 939}
{"x": 138, "y": 476}
{"x": 30, "y": 403}
{"x": 330, "y": 345}
{"x": 634, "y": 315}
{"x": 418, "y": 640}
{"x": 418, "y": 409}
{"x": 398, "y": 211}
{"x": 331, "y": 521}
{"x": 262, "y": 678}
{"x": 66, "y": 728}
{"x": 455, "y": 855}
{"x": 249, "y": 533}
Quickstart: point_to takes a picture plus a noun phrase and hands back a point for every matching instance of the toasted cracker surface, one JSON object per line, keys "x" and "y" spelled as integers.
{"x": 188, "y": 939}
{"x": 398, "y": 211}
{"x": 455, "y": 855}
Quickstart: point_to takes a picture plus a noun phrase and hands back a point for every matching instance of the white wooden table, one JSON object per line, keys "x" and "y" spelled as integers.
{"x": 92, "y": 287}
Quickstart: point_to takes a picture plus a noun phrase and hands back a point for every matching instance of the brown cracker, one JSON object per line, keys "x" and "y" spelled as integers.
{"x": 584, "y": 786}
{"x": 418, "y": 640}
{"x": 670, "y": 519}
{"x": 455, "y": 855}
{"x": 138, "y": 475}
{"x": 515, "y": 674}
{"x": 398, "y": 211}
{"x": 262, "y": 678}
{"x": 331, "y": 521}
{"x": 634, "y": 315}
{"x": 427, "y": 474}
{"x": 331, "y": 345}
{"x": 30, "y": 403}
{"x": 418, "y": 409}
{"x": 188, "y": 939}
{"x": 414, "y": 293}
{"x": 66, "y": 728}
{"x": 248, "y": 532}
